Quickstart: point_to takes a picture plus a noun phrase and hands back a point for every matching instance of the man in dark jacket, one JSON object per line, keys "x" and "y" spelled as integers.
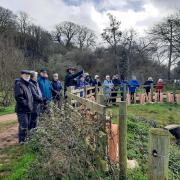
{"x": 37, "y": 99}
{"x": 70, "y": 78}
{"x": 24, "y": 103}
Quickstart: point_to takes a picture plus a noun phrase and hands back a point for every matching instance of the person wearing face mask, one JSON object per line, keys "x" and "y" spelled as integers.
{"x": 37, "y": 99}
{"x": 24, "y": 104}
{"x": 45, "y": 86}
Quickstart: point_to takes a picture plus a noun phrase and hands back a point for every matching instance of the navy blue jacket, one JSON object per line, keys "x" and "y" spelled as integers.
{"x": 23, "y": 96}
{"x": 56, "y": 87}
{"x": 147, "y": 85}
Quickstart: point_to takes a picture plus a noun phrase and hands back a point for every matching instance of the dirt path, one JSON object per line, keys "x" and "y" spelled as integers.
{"x": 8, "y": 117}
{"x": 8, "y": 136}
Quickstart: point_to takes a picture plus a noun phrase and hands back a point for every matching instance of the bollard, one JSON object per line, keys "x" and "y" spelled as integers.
{"x": 159, "y": 141}
{"x": 122, "y": 140}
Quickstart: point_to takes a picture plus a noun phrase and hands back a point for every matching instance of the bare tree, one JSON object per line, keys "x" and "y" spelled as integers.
{"x": 7, "y": 20}
{"x": 166, "y": 36}
{"x": 112, "y": 35}
{"x": 65, "y": 33}
{"x": 85, "y": 37}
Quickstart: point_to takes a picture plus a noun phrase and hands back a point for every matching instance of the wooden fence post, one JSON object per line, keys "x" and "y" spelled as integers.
{"x": 122, "y": 140}
{"x": 159, "y": 141}
{"x": 85, "y": 92}
{"x": 152, "y": 92}
{"x": 96, "y": 91}
{"x": 100, "y": 99}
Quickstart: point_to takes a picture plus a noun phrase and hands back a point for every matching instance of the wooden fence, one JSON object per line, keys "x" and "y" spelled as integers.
{"x": 158, "y": 138}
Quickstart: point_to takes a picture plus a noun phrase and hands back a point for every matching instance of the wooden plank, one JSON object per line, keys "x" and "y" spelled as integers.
{"x": 93, "y": 106}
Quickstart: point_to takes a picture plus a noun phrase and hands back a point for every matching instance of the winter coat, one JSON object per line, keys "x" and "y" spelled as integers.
{"x": 80, "y": 85}
{"x": 95, "y": 82}
{"x": 147, "y": 85}
{"x": 37, "y": 96}
{"x": 116, "y": 83}
{"x": 133, "y": 85}
{"x": 122, "y": 84}
{"x": 89, "y": 81}
{"x": 23, "y": 96}
{"x": 107, "y": 87}
{"x": 159, "y": 86}
{"x": 46, "y": 88}
{"x": 56, "y": 88}
{"x": 70, "y": 79}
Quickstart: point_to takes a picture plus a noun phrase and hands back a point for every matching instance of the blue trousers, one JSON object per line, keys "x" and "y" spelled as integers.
{"x": 33, "y": 121}
{"x": 24, "y": 125}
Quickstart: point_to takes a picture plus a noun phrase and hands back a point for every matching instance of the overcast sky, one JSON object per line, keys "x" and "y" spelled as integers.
{"x": 137, "y": 14}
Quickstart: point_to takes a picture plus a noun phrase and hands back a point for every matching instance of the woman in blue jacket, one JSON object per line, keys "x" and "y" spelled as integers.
{"x": 133, "y": 85}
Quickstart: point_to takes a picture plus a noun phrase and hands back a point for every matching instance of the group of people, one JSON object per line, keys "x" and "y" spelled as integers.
{"x": 32, "y": 93}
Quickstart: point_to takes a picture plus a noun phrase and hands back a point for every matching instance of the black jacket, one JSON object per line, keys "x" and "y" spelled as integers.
{"x": 23, "y": 96}
{"x": 37, "y": 98}
{"x": 70, "y": 79}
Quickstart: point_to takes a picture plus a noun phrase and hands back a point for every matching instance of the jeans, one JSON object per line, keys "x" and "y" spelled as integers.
{"x": 33, "y": 121}
{"x": 24, "y": 120}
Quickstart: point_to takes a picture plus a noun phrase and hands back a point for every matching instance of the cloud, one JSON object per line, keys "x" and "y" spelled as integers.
{"x": 138, "y": 14}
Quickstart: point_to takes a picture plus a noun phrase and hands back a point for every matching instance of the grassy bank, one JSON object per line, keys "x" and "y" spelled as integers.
{"x": 14, "y": 162}
{"x": 7, "y": 110}
{"x": 162, "y": 114}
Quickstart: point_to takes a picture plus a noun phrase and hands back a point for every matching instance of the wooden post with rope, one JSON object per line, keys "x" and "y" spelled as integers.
{"x": 122, "y": 140}
{"x": 159, "y": 143}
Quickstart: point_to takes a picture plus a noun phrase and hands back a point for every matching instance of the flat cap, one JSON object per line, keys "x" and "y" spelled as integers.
{"x": 25, "y": 72}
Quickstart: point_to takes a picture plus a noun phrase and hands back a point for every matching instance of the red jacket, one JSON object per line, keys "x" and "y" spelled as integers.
{"x": 159, "y": 86}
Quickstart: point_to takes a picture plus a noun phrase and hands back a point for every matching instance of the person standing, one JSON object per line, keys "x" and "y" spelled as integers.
{"x": 159, "y": 88}
{"x": 24, "y": 104}
{"x": 81, "y": 84}
{"x": 107, "y": 88}
{"x": 147, "y": 85}
{"x": 116, "y": 87}
{"x": 45, "y": 85}
{"x": 133, "y": 85}
{"x": 37, "y": 99}
{"x": 70, "y": 78}
{"x": 56, "y": 89}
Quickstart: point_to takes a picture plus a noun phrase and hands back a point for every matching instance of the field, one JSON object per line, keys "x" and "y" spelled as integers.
{"x": 16, "y": 159}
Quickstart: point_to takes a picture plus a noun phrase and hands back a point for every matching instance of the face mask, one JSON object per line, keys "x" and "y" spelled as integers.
{"x": 26, "y": 79}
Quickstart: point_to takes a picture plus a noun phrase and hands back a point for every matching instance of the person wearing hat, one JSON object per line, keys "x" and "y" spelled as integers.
{"x": 45, "y": 86}
{"x": 24, "y": 104}
{"x": 37, "y": 99}
{"x": 70, "y": 78}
